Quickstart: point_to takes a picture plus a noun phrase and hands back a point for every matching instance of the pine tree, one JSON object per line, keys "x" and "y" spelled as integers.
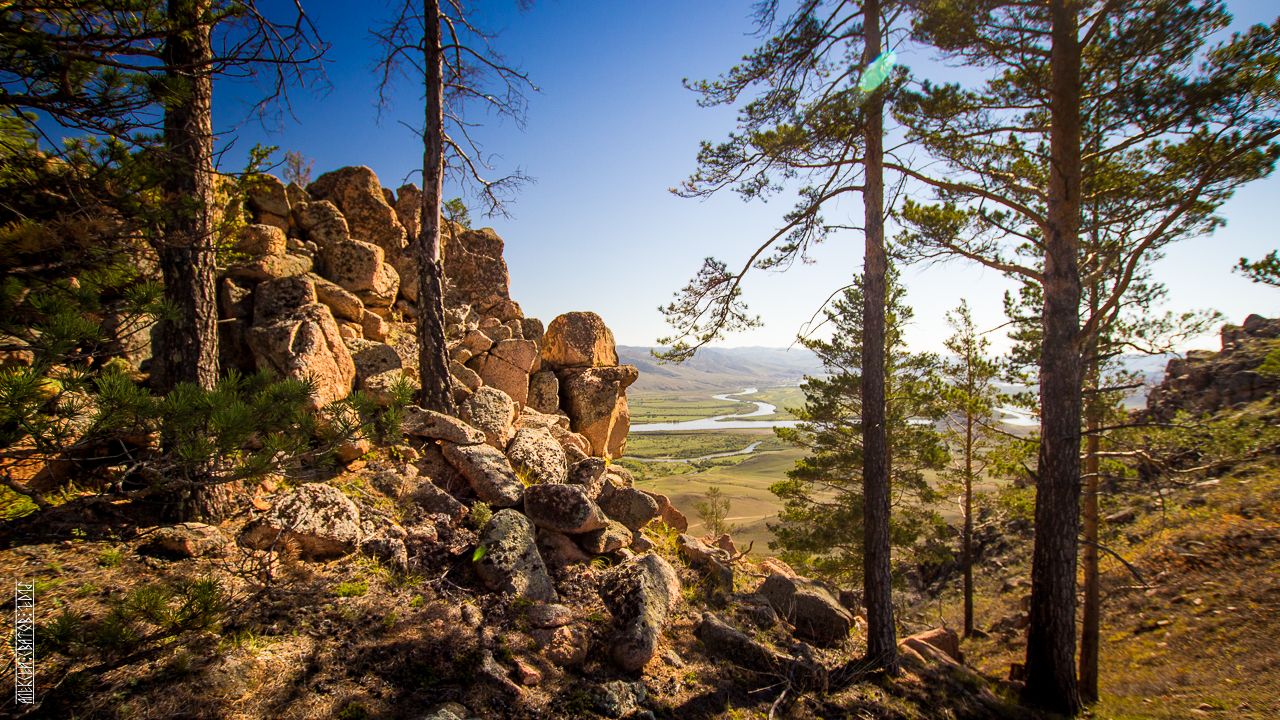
{"x": 821, "y": 524}
{"x": 1092, "y": 104}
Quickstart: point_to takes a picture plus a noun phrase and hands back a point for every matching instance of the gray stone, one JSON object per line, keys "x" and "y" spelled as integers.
{"x": 589, "y": 474}
{"x": 633, "y": 508}
{"x": 563, "y": 508}
{"x": 434, "y": 501}
{"x": 492, "y": 411}
{"x": 431, "y": 424}
{"x": 549, "y": 616}
{"x": 489, "y": 473}
{"x": 535, "y": 452}
{"x": 612, "y": 536}
{"x": 809, "y": 606}
{"x": 510, "y": 562}
{"x": 723, "y": 641}
{"x": 639, "y": 594}
{"x": 321, "y": 521}
{"x": 559, "y": 549}
{"x": 544, "y": 392}
{"x": 185, "y": 540}
{"x": 275, "y": 299}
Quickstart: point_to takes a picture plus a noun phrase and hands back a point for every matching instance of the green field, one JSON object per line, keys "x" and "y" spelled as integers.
{"x": 680, "y": 408}
{"x": 694, "y": 443}
{"x": 745, "y": 484}
{"x": 779, "y": 397}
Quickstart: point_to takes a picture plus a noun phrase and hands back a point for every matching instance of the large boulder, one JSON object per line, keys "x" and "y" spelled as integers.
{"x": 372, "y": 358}
{"x": 493, "y": 412}
{"x": 318, "y": 520}
{"x": 589, "y": 473}
{"x": 510, "y": 562}
{"x": 269, "y": 267}
{"x": 438, "y": 426}
{"x": 360, "y": 267}
{"x": 535, "y": 452}
{"x": 342, "y": 302}
{"x": 488, "y": 471}
{"x": 723, "y": 641}
{"x": 711, "y": 559}
{"x": 612, "y": 536}
{"x": 633, "y": 508}
{"x": 267, "y": 194}
{"x": 409, "y": 210}
{"x": 563, "y": 508}
{"x": 261, "y": 240}
{"x": 473, "y": 261}
{"x": 809, "y": 606}
{"x": 639, "y": 594}
{"x": 322, "y": 222}
{"x": 544, "y": 392}
{"x": 358, "y": 194}
{"x": 303, "y": 342}
{"x": 579, "y": 340}
{"x": 596, "y": 401}
{"x": 275, "y": 299}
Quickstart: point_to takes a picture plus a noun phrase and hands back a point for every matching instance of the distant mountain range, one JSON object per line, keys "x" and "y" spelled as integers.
{"x": 720, "y": 369}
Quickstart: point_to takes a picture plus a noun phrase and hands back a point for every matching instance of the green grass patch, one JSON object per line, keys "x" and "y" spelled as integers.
{"x": 694, "y": 444}
{"x": 681, "y": 408}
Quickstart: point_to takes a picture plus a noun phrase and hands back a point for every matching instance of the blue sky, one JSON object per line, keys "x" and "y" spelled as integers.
{"x": 611, "y": 129}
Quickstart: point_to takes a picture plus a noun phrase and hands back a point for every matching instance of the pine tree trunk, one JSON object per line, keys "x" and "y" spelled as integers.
{"x": 187, "y": 347}
{"x": 1090, "y": 618}
{"x": 433, "y": 357}
{"x": 882, "y": 647}
{"x": 1051, "y": 669}
{"x": 968, "y": 516}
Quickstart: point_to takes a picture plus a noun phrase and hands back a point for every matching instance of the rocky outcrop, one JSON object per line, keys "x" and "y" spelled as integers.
{"x": 596, "y": 401}
{"x": 489, "y": 473}
{"x": 1205, "y": 382}
{"x": 639, "y": 594}
{"x": 563, "y": 508}
{"x": 356, "y": 192}
{"x": 536, "y": 453}
{"x": 809, "y": 606}
{"x": 305, "y": 341}
{"x": 473, "y": 261}
{"x": 726, "y": 642}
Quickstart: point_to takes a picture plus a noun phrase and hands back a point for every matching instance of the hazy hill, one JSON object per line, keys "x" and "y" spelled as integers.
{"x": 720, "y": 369}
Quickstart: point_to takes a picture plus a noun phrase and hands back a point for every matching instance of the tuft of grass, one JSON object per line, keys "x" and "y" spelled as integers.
{"x": 352, "y": 589}
{"x": 110, "y": 558}
{"x": 480, "y": 515}
{"x": 354, "y": 710}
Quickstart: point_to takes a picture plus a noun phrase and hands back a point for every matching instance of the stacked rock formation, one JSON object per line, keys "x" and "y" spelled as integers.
{"x": 327, "y": 287}
{"x": 1205, "y": 381}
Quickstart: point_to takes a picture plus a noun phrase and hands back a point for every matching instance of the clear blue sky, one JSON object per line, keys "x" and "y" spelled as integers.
{"x": 612, "y": 129}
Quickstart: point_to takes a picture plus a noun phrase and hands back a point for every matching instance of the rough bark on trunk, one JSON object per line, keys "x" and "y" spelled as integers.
{"x": 882, "y": 647}
{"x": 1090, "y": 618}
{"x": 187, "y": 346}
{"x": 433, "y": 357}
{"x": 1051, "y": 669}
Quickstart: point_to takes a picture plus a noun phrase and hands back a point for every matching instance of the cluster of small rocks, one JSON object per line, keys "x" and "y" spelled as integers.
{"x": 1205, "y": 381}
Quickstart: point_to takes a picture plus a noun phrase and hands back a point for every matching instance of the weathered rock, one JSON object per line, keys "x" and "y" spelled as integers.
{"x": 296, "y": 194}
{"x": 633, "y": 508}
{"x": 589, "y": 474}
{"x": 432, "y": 466}
{"x": 596, "y": 401}
{"x": 563, "y": 508}
{"x": 725, "y": 543}
{"x": 544, "y": 392}
{"x": 559, "y": 549}
{"x": 403, "y": 340}
{"x": 511, "y": 563}
{"x": 476, "y": 342}
{"x": 275, "y": 299}
{"x": 565, "y": 646}
{"x": 809, "y": 606}
{"x": 361, "y": 268}
{"x": 270, "y": 267}
{"x": 533, "y": 329}
{"x": 350, "y": 330}
{"x": 358, "y": 194}
{"x": 1205, "y": 382}
{"x": 305, "y": 342}
{"x": 549, "y": 616}
{"x": 639, "y": 594}
{"x": 373, "y": 326}
{"x": 382, "y": 295}
{"x": 535, "y": 452}
{"x": 185, "y": 540}
{"x": 714, "y": 560}
{"x": 724, "y": 641}
{"x": 473, "y": 261}
{"x": 431, "y": 424}
{"x": 670, "y": 516}
{"x": 774, "y": 566}
{"x": 383, "y": 387}
{"x": 526, "y": 674}
{"x": 390, "y": 550}
{"x": 579, "y": 340}
{"x": 260, "y": 240}
{"x": 489, "y": 473}
{"x": 267, "y": 194}
{"x": 492, "y": 411}
{"x": 944, "y": 639}
{"x": 323, "y": 223}
{"x": 611, "y": 537}
{"x": 235, "y": 298}
{"x": 372, "y": 358}
{"x": 465, "y": 376}
{"x": 620, "y": 476}
{"x": 409, "y": 210}
{"x": 617, "y": 698}
{"x": 318, "y": 519}
{"x": 342, "y": 302}
{"x": 498, "y": 373}
{"x": 436, "y": 501}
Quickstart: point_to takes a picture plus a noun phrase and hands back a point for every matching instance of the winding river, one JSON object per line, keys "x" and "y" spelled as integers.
{"x": 721, "y": 422}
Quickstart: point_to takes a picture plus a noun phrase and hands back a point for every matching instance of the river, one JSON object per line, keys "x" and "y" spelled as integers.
{"x": 720, "y": 422}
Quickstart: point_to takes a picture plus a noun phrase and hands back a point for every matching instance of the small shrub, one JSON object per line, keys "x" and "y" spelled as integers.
{"x": 389, "y": 621}
{"x": 150, "y": 603}
{"x": 110, "y": 558}
{"x": 59, "y": 633}
{"x": 480, "y": 515}
{"x": 417, "y": 602}
{"x": 353, "y": 711}
{"x": 352, "y": 589}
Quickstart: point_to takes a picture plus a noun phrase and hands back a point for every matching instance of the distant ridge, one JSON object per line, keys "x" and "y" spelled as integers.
{"x": 720, "y": 369}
